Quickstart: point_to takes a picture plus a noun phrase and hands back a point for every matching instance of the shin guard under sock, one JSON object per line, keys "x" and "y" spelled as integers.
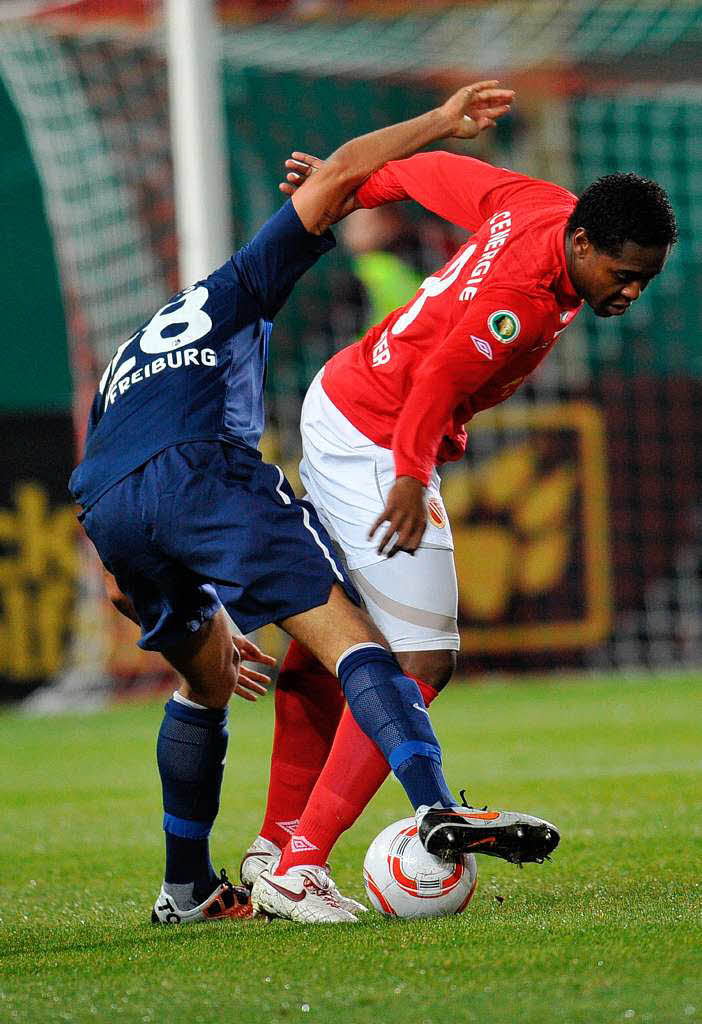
{"x": 389, "y": 708}
{"x": 191, "y": 749}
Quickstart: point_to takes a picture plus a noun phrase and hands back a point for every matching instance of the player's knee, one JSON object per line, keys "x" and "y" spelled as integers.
{"x": 220, "y": 676}
{"x": 209, "y": 662}
{"x": 433, "y": 667}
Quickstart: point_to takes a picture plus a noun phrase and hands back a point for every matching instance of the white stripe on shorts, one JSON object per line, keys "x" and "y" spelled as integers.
{"x": 308, "y": 525}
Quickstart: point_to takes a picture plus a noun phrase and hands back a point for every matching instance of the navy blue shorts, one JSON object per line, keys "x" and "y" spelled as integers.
{"x": 205, "y": 524}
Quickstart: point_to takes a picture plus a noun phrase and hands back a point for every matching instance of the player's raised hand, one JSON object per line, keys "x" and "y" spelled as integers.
{"x": 406, "y": 515}
{"x": 251, "y": 684}
{"x": 299, "y": 167}
{"x": 476, "y": 107}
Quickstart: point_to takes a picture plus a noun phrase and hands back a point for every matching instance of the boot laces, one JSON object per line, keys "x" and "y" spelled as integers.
{"x": 321, "y": 884}
{"x": 232, "y": 893}
{"x": 464, "y": 802}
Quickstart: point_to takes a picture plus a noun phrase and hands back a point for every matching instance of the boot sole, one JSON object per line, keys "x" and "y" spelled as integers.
{"x": 519, "y": 843}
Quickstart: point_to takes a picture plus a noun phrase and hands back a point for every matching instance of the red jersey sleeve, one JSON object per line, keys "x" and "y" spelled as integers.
{"x": 495, "y": 328}
{"x": 460, "y": 189}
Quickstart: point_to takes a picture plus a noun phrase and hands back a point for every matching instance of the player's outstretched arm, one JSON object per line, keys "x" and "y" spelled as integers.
{"x": 322, "y": 191}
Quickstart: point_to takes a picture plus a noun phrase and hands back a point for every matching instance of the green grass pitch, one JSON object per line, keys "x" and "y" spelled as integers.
{"x": 610, "y": 931}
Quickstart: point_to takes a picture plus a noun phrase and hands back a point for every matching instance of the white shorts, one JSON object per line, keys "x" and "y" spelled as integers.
{"x": 413, "y": 599}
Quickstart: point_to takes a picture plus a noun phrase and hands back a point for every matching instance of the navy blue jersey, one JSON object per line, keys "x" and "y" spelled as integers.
{"x": 196, "y": 370}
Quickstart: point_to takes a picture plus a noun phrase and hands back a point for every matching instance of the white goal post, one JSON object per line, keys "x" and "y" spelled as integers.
{"x": 201, "y": 180}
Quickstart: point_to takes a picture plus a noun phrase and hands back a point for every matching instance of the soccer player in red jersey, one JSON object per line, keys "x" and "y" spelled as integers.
{"x": 386, "y": 411}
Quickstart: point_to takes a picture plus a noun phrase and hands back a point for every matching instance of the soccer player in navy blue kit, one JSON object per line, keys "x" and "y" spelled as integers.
{"x": 190, "y": 521}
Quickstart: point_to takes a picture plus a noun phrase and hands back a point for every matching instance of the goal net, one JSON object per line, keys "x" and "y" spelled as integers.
{"x": 93, "y": 106}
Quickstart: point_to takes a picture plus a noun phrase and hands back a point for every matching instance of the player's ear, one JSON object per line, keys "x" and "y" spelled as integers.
{"x": 580, "y": 242}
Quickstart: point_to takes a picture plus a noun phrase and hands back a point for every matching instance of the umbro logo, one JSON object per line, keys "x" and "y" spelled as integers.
{"x": 299, "y": 844}
{"x": 484, "y": 347}
{"x": 288, "y": 826}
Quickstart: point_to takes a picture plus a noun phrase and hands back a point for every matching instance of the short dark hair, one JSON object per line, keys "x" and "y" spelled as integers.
{"x": 624, "y": 207}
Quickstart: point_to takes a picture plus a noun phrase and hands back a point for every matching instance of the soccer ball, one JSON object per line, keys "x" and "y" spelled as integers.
{"x": 403, "y": 880}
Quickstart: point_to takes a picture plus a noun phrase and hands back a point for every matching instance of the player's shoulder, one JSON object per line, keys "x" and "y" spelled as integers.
{"x": 531, "y": 207}
{"x": 512, "y": 314}
{"x": 532, "y": 188}
{"x": 551, "y": 192}
{"x": 489, "y": 176}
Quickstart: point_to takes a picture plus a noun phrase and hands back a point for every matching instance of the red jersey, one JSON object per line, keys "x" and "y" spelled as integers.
{"x": 476, "y": 328}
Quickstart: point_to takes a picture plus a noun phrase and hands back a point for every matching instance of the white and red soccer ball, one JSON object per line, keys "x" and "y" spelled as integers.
{"x": 403, "y": 880}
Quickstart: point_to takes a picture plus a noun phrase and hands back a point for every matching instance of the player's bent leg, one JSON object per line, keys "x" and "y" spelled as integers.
{"x": 191, "y": 753}
{"x": 171, "y": 601}
{"x": 208, "y": 662}
{"x": 387, "y": 705}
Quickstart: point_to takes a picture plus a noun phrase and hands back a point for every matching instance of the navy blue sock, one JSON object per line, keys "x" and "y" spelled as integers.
{"x": 422, "y": 779}
{"x": 191, "y": 749}
{"x": 390, "y": 710}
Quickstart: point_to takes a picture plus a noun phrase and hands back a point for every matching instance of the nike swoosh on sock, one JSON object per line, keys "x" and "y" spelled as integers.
{"x": 420, "y": 708}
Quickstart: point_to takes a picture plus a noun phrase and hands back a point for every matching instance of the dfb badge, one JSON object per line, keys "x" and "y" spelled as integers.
{"x": 504, "y": 325}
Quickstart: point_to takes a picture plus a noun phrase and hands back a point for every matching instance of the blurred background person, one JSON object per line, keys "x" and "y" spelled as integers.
{"x": 384, "y": 249}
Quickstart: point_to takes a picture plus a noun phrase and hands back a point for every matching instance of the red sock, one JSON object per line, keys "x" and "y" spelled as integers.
{"x": 308, "y": 706}
{"x": 353, "y": 773}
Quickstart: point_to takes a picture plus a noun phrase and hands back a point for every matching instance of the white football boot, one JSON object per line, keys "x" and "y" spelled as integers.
{"x": 305, "y": 894}
{"x": 264, "y": 855}
{"x": 515, "y": 837}
{"x": 226, "y": 901}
